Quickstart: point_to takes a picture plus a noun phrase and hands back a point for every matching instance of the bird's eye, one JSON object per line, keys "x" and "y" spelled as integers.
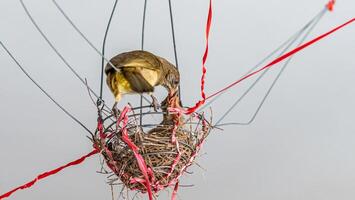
{"x": 176, "y": 82}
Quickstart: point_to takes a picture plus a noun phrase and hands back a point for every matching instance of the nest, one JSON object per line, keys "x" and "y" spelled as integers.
{"x": 167, "y": 149}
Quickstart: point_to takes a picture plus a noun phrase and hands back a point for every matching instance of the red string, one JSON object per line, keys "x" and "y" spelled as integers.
{"x": 330, "y": 5}
{"x": 204, "y": 59}
{"x": 176, "y": 187}
{"x": 140, "y": 160}
{"x": 190, "y": 110}
{"x": 286, "y": 55}
{"x": 49, "y": 173}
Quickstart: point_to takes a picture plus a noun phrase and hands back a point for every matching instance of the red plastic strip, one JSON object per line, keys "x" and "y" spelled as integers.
{"x": 140, "y": 160}
{"x": 111, "y": 164}
{"x": 204, "y": 59}
{"x": 49, "y": 173}
{"x": 173, "y": 196}
{"x": 175, "y": 141}
{"x": 281, "y": 58}
{"x": 330, "y": 5}
{"x": 194, "y": 154}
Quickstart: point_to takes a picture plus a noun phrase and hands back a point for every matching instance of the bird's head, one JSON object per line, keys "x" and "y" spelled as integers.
{"x": 170, "y": 76}
{"x": 172, "y": 79}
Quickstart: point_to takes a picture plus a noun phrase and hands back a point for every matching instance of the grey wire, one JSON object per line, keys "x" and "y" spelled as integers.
{"x": 103, "y": 48}
{"x": 86, "y": 39}
{"x": 315, "y": 22}
{"x": 263, "y": 60}
{"x": 44, "y": 91}
{"x": 54, "y": 49}
{"x": 82, "y": 35}
{"x": 142, "y": 48}
{"x": 174, "y": 42}
{"x": 143, "y": 23}
{"x": 262, "y": 74}
{"x": 173, "y": 34}
{"x": 250, "y": 70}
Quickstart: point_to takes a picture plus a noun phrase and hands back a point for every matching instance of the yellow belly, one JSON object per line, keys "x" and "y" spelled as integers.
{"x": 118, "y": 85}
{"x": 122, "y": 84}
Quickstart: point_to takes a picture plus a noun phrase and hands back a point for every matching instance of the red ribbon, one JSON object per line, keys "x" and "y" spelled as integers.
{"x": 281, "y": 58}
{"x": 176, "y": 187}
{"x": 204, "y": 59}
{"x": 330, "y": 5}
{"x": 140, "y": 160}
{"x": 190, "y": 110}
{"x": 49, "y": 173}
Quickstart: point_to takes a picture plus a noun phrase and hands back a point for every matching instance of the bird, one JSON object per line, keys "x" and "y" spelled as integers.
{"x": 138, "y": 72}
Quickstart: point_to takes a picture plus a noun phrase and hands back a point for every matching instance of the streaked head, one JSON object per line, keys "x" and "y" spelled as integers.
{"x": 172, "y": 80}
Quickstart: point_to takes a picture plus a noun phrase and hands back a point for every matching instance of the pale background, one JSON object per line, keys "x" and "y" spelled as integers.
{"x": 301, "y": 146}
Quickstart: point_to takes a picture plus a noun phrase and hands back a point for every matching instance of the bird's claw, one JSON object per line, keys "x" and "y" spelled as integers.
{"x": 156, "y": 105}
{"x": 115, "y": 111}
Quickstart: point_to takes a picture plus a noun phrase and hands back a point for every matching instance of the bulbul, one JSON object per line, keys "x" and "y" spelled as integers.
{"x": 138, "y": 72}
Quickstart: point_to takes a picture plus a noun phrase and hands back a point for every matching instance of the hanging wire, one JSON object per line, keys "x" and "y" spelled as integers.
{"x": 82, "y": 35}
{"x": 143, "y": 23}
{"x": 86, "y": 39}
{"x": 103, "y": 49}
{"x": 252, "y": 69}
{"x": 312, "y": 25}
{"x": 174, "y": 42}
{"x": 173, "y": 38}
{"x": 173, "y": 34}
{"x": 44, "y": 91}
{"x": 263, "y": 60}
{"x": 142, "y": 48}
{"x": 55, "y": 49}
{"x": 264, "y": 72}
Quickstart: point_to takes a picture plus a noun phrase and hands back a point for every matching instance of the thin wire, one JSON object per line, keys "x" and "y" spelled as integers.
{"x": 278, "y": 76}
{"x": 44, "y": 91}
{"x": 103, "y": 48}
{"x": 174, "y": 42}
{"x": 143, "y": 23}
{"x": 296, "y": 50}
{"x": 86, "y": 39}
{"x": 53, "y": 48}
{"x": 264, "y": 72}
{"x": 250, "y": 70}
{"x": 173, "y": 34}
{"x": 82, "y": 35}
{"x": 142, "y": 48}
{"x": 266, "y": 58}
{"x": 315, "y": 22}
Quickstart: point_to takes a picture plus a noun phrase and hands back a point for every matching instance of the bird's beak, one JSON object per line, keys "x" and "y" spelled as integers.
{"x": 176, "y": 96}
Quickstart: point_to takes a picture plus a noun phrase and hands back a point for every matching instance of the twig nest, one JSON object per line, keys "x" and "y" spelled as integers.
{"x": 167, "y": 149}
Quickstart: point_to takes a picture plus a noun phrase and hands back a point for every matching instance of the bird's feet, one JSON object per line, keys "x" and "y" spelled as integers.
{"x": 115, "y": 111}
{"x": 155, "y": 103}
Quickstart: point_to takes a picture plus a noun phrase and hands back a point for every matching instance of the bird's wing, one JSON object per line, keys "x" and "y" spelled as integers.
{"x": 142, "y": 59}
{"x": 137, "y": 81}
{"x": 141, "y": 69}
